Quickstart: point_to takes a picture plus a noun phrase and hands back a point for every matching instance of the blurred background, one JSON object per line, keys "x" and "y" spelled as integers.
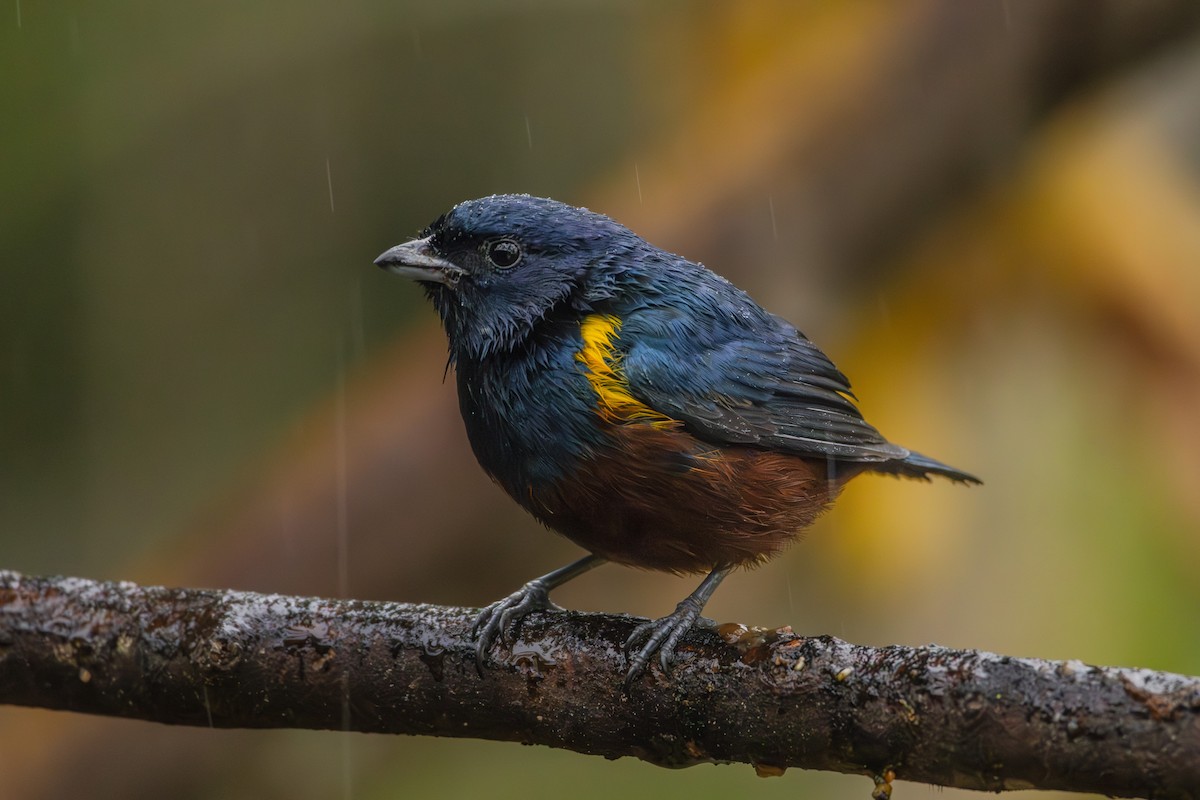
{"x": 986, "y": 212}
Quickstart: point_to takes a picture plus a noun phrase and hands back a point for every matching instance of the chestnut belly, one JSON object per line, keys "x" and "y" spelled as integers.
{"x": 661, "y": 499}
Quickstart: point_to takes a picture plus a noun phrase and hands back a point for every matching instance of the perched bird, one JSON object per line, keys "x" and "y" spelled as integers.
{"x": 635, "y": 402}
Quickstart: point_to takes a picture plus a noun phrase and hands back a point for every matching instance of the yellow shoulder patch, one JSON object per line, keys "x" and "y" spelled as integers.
{"x": 603, "y": 364}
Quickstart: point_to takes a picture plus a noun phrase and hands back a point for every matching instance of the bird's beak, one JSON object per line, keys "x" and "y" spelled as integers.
{"x": 416, "y": 260}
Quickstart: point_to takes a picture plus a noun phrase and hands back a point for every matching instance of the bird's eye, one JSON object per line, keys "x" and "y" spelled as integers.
{"x": 504, "y": 253}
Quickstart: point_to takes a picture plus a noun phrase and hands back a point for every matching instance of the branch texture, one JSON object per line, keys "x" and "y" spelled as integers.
{"x": 769, "y": 698}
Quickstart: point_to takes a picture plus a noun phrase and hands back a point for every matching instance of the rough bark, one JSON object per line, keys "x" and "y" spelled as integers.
{"x": 769, "y": 698}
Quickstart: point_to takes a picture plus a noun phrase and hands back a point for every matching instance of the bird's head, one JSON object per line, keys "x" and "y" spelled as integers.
{"x": 496, "y": 266}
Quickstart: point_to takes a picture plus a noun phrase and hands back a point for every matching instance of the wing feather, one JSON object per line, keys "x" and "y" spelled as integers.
{"x": 761, "y": 384}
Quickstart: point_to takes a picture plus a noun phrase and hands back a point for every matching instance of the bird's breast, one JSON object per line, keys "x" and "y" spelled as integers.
{"x": 529, "y": 414}
{"x": 534, "y": 414}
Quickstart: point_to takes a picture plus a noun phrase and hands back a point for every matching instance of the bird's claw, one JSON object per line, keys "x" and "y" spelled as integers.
{"x": 503, "y": 618}
{"x": 661, "y": 635}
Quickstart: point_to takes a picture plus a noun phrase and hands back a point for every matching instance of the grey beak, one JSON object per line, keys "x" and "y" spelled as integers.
{"x": 416, "y": 260}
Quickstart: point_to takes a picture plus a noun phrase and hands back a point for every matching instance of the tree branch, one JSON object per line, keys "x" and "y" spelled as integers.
{"x": 769, "y": 698}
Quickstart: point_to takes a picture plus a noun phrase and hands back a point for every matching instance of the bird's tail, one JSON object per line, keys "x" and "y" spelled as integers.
{"x": 921, "y": 467}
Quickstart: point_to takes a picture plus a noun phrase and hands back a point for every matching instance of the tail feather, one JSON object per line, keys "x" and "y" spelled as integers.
{"x": 921, "y": 467}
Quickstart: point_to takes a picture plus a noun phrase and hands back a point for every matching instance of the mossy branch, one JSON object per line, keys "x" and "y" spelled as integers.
{"x": 769, "y": 698}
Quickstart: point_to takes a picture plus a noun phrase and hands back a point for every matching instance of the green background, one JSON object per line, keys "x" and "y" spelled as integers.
{"x": 202, "y": 376}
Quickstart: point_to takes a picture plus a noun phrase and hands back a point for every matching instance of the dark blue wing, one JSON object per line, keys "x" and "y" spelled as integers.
{"x": 746, "y": 377}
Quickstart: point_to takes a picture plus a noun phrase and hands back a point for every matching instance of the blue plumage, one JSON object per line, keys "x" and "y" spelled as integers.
{"x": 634, "y": 400}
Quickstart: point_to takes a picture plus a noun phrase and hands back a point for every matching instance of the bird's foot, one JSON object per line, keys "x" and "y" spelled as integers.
{"x": 661, "y": 635}
{"x": 503, "y": 618}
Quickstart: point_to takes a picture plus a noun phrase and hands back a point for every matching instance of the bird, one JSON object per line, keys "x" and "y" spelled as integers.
{"x": 635, "y": 402}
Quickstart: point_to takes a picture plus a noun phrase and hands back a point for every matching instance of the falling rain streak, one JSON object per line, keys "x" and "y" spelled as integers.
{"x": 329, "y": 180}
{"x": 207, "y": 704}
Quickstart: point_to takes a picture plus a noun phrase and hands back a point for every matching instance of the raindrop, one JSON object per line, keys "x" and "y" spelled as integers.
{"x": 637, "y": 176}
{"x": 207, "y": 704}
{"x": 528, "y": 132}
{"x": 329, "y": 180}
